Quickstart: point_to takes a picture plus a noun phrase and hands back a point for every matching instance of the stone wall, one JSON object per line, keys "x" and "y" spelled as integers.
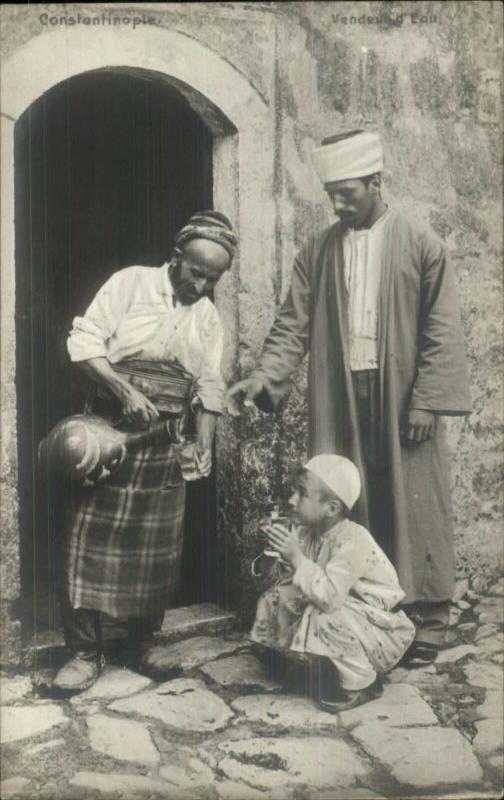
{"x": 432, "y": 88}
{"x": 427, "y": 75}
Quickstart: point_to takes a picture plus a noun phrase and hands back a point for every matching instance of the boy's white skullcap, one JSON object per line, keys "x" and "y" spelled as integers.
{"x": 339, "y": 474}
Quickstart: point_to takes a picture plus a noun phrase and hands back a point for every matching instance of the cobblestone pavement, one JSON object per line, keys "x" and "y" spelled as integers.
{"x": 222, "y": 730}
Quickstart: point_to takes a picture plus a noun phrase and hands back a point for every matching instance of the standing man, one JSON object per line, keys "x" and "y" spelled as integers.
{"x": 151, "y": 341}
{"x": 373, "y": 301}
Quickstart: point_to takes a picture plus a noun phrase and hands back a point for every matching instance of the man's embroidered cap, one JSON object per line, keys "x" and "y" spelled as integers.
{"x": 348, "y": 155}
{"x": 212, "y": 225}
{"x": 339, "y": 474}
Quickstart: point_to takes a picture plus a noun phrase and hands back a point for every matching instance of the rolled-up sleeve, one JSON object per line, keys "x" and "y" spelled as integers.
{"x": 90, "y": 334}
{"x": 209, "y": 388}
{"x": 327, "y": 587}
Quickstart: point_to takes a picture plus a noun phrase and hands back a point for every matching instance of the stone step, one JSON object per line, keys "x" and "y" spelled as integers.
{"x": 202, "y": 619}
{"x": 46, "y": 648}
{"x": 43, "y": 648}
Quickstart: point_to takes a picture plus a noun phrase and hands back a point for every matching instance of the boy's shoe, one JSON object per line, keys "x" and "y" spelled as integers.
{"x": 347, "y": 699}
{"x": 79, "y": 673}
{"x": 296, "y": 675}
{"x": 260, "y": 651}
{"x": 287, "y": 667}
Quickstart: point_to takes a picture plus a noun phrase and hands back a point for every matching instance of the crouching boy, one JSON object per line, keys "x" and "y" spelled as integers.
{"x": 336, "y": 600}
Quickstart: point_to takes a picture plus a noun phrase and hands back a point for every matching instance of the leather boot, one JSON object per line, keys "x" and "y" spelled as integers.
{"x": 79, "y": 673}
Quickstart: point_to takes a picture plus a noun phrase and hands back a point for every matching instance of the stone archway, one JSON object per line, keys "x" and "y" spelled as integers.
{"x": 243, "y": 128}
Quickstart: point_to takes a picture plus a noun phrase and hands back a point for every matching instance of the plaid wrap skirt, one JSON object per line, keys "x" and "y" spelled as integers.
{"x": 123, "y": 543}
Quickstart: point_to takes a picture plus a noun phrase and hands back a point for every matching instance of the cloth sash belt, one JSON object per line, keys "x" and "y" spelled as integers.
{"x": 168, "y": 386}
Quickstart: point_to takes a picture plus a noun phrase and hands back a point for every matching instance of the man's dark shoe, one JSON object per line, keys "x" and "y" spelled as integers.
{"x": 420, "y": 654}
{"x": 346, "y": 699}
{"x": 136, "y": 655}
{"x": 79, "y": 673}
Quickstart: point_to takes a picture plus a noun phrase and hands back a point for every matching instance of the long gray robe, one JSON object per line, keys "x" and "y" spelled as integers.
{"x": 421, "y": 365}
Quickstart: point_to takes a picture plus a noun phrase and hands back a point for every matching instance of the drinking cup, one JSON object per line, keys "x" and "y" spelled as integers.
{"x": 185, "y": 454}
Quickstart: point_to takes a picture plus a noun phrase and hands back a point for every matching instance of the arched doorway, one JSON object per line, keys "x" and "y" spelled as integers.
{"x": 108, "y": 166}
{"x": 241, "y": 123}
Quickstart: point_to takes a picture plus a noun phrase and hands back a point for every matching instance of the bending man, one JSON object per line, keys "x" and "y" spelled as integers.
{"x": 152, "y": 343}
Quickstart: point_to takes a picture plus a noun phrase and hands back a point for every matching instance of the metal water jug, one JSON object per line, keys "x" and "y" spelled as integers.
{"x": 88, "y": 449}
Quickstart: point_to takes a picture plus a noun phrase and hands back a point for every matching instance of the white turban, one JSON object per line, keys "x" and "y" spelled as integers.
{"x": 351, "y": 157}
{"x": 339, "y": 474}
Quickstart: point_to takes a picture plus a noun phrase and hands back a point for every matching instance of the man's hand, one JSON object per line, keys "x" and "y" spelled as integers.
{"x": 206, "y": 422}
{"x": 137, "y": 408}
{"x": 419, "y": 426}
{"x": 285, "y": 542}
{"x": 244, "y": 393}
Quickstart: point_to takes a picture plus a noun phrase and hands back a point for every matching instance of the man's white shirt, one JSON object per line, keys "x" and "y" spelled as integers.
{"x": 134, "y": 315}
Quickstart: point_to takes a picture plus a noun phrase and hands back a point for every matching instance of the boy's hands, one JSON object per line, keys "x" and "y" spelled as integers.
{"x": 285, "y": 542}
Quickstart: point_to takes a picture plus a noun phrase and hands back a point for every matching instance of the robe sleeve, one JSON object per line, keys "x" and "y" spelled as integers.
{"x": 441, "y": 384}
{"x": 327, "y": 587}
{"x": 288, "y": 340}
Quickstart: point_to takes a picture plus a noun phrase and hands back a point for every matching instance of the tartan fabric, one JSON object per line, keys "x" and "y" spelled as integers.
{"x": 124, "y": 538}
